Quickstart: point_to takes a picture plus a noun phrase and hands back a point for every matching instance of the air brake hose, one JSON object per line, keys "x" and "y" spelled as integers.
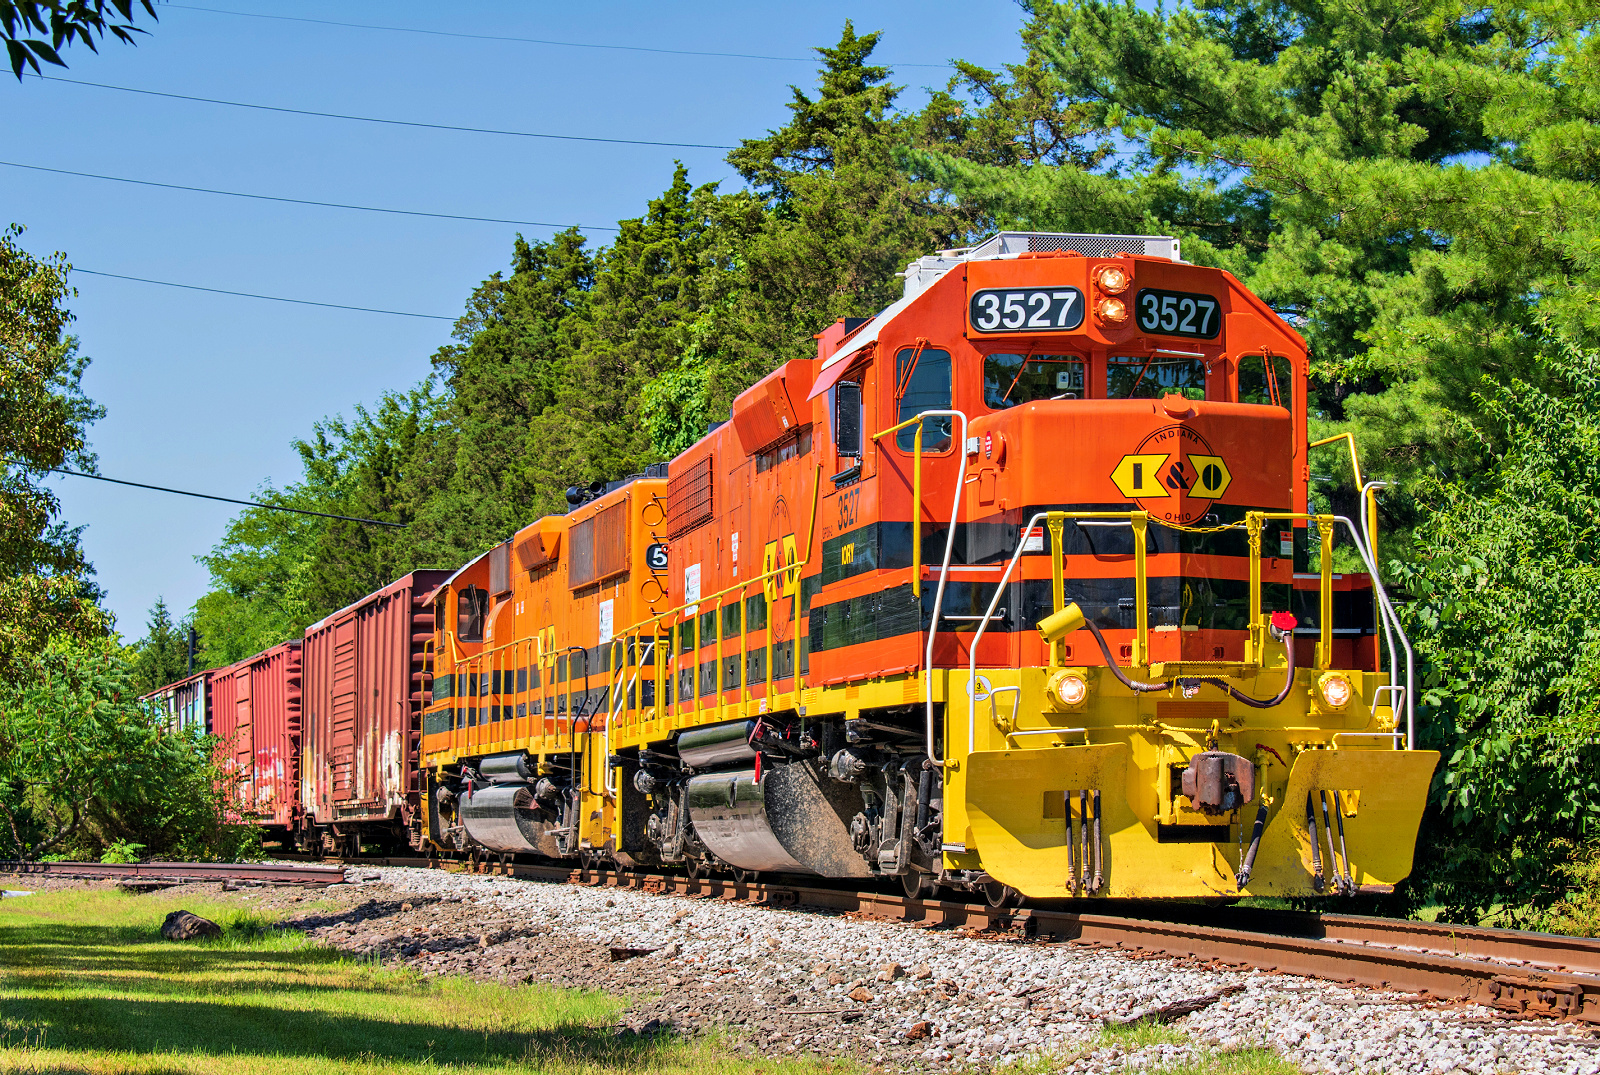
{"x": 1288, "y": 676}
{"x": 1138, "y": 687}
{"x": 1116, "y": 669}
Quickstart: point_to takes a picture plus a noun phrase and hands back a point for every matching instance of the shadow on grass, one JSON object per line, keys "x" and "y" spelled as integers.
{"x": 144, "y": 1026}
{"x": 126, "y": 991}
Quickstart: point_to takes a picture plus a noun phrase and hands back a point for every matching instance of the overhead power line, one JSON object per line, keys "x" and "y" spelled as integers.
{"x": 269, "y": 298}
{"x": 524, "y": 40}
{"x": 383, "y": 121}
{"x": 226, "y": 499}
{"x": 293, "y": 201}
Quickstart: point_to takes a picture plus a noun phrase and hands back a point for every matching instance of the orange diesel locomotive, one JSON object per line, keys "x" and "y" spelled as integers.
{"x": 1013, "y": 588}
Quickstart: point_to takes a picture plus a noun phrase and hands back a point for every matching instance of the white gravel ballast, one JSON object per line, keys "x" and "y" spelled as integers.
{"x": 912, "y": 997}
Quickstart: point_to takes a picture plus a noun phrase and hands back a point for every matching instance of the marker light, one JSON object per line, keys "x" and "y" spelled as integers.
{"x": 1072, "y": 690}
{"x": 1112, "y": 310}
{"x": 1335, "y": 690}
{"x": 1112, "y": 279}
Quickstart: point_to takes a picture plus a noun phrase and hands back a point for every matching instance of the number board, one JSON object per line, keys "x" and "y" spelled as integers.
{"x": 1027, "y": 309}
{"x": 1179, "y": 313}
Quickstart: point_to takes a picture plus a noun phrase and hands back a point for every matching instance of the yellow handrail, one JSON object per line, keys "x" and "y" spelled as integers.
{"x": 1254, "y": 521}
{"x": 1139, "y": 522}
{"x": 1368, "y": 493}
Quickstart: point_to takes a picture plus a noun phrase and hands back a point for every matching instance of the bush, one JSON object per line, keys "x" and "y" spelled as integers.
{"x": 1505, "y": 584}
{"x": 86, "y": 770}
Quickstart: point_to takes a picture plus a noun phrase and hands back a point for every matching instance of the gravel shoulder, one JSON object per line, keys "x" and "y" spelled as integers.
{"x": 891, "y": 995}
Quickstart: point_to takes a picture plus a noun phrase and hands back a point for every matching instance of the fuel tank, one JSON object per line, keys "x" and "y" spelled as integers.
{"x": 791, "y": 820}
{"x": 505, "y": 818}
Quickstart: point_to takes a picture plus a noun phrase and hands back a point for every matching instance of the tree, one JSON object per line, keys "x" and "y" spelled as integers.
{"x": 162, "y": 655}
{"x": 1513, "y": 555}
{"x": 65, "y": 22}
{"x": 1411, "y": 185}
{"x": 83, "y": 764}
{"x": 275, "y": 572}
{"x": 46, "y": 588}
{"x": 515, "y": 343}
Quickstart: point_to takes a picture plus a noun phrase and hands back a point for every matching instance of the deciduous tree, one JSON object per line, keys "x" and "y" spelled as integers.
{"x": 46, "y": 585}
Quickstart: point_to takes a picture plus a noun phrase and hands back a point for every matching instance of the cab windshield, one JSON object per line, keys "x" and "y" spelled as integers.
{"x": 1154, "y": 376}
{"x": 1012, "y": 379}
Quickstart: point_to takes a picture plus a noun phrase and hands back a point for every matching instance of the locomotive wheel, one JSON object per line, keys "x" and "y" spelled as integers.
{"x": 745, "y": 877}
{"x": 916, "y": 884}
{"x": 997, "y": 895}
{"x": 693, "y": 868}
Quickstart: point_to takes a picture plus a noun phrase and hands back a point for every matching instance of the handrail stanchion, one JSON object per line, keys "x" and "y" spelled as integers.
{"x": 916, "y": 513}
{"x": 1257, "y": 654}
{"x": 1141, "y": 590}
{"x": 1058, "y": 585}
{"x": 1325, "y": 594}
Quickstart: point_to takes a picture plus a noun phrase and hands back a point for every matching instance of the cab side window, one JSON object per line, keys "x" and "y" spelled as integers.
{"x": 922, "y": 383}
{"x": 1267, "y": 380}
{"x": 472, "y": 608}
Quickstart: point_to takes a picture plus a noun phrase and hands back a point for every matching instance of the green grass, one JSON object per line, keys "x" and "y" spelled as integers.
{"x": 1228, "y": 1062}
{"x": 87, "y": 985}
{"x": 1133, "y": 1037}
{"x": 1139, "y": 1034}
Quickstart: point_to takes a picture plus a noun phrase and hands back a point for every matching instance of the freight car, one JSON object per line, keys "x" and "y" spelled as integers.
{"x": 185, "y": 705}
{"x": 255, "y": 716}
{"x": 1013, "y": 588}
{"x": 363, "y": 720}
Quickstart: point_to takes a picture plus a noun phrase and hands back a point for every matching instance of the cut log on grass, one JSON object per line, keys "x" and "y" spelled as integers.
{"x": 1177, "y": 1009}
{"x": 186, "y": 926}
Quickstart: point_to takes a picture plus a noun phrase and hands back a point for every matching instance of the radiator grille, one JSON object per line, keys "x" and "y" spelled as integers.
{"x": 599, "y": 546}
{"x": 689, "y": 498}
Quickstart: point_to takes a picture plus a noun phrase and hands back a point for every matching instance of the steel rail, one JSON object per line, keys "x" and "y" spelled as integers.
{"x": 1518, "y": 973}
{"x": 265, "y": 873}
{"x": 1523, "y": 975}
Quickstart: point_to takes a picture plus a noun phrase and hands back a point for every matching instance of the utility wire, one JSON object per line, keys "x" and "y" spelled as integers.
{"x": 523, "y": 40}
{"x": 224, "y": 499}
{"x": 293, "y": 201}
{"x": 269, "y": 298}
{"x": 387, "y": 122}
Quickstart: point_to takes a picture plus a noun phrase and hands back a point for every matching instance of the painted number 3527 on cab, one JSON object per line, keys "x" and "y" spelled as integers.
{"x": 1026, "y": 309}
{"x": 1178, "y": 313}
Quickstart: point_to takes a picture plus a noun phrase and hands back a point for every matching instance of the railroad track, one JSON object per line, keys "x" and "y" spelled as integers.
{"x": 180, "y": 872}
{"x": 1520, "y": 974}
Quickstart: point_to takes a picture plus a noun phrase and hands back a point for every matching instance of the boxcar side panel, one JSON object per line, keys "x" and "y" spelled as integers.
{"x": 362, "y": 722}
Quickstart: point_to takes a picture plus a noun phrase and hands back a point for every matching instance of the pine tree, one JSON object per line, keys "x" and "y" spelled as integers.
{"x": 162, "y": 655}
{"x": 1411, "y": 186}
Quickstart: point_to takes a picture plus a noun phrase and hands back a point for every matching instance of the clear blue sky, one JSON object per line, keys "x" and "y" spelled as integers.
{"x": 206, "y": 392}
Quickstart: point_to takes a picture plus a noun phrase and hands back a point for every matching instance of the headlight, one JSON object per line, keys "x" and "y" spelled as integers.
{"x": 1112, "y": 310}
{"x": 1336, "y": 690}
{"x": 1068, "y": 689}
{"x": 1112, "y": 279}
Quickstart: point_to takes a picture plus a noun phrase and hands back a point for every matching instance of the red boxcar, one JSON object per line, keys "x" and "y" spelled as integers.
{"x": 255, "y": 715}
{"x": 363, "y": 721}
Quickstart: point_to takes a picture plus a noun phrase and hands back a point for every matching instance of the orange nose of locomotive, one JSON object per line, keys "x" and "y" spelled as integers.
{"x": 1192, "y": 465}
